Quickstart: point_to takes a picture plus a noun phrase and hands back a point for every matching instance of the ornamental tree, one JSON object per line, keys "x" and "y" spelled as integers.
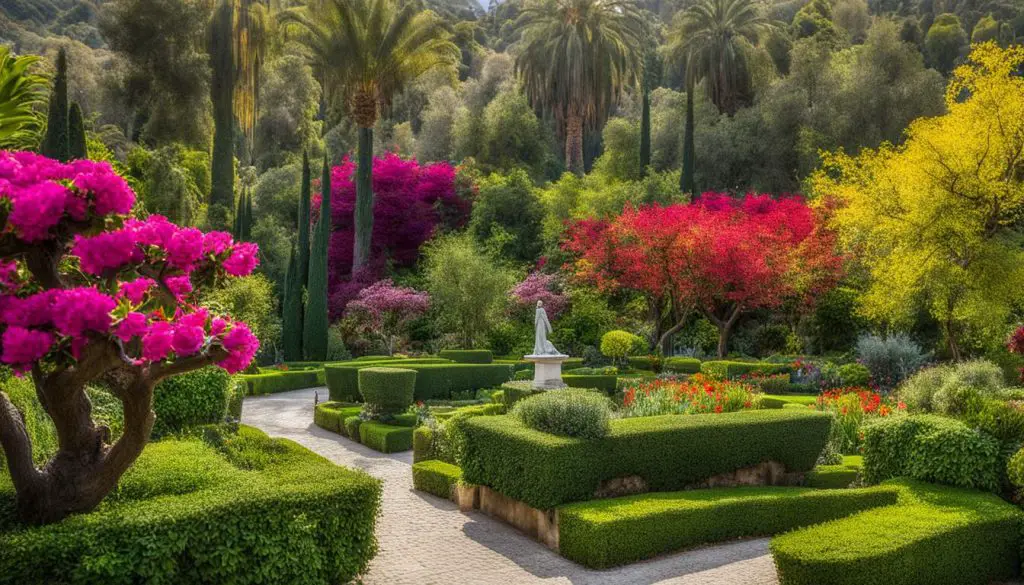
{"x": 719, "y": 256}
{"x": 540, "y": 287}
{"x": 385, "y": 311}
{"x": 89, "y": 295}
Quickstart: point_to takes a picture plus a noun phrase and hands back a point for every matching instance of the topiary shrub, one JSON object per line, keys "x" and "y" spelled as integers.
{"x": 387, "y": 391}
{"x": 435, "y": 477}
{"x": 567, "y": 413}
{"x": 352, "y": 425}
{"x": 931, "y": 448}
{"x": 196, "y": 398}
{"x": 619, "y": 345}
{"x": 385, "y": 438}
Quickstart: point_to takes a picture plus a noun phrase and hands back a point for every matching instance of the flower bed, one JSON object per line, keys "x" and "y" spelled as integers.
{"x": 697, "y": 395}
{"x": 852, "y": 407}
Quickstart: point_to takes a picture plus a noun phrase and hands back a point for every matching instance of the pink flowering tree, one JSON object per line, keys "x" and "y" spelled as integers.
{"x": 385, "y": 311}
{"x": 540, "y": 287}
{"x": 88, "y": 294}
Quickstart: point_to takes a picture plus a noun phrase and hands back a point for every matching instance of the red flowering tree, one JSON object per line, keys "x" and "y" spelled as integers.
{"x": 88, "y": 294}
{"x": 385, "y": 311}
{"x": 719, "y": 255}
{"x": 410, "y": 203}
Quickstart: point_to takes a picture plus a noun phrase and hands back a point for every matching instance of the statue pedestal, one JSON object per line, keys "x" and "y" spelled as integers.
{"x": 547, "y": 371}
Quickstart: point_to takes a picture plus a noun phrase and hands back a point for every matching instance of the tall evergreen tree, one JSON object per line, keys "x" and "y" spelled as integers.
{"x": 55, "y": 143}
{"x": 248, "y": 215}
{"x": 304, "y": 203}
{"x": 651, "y": 79}
{"x": 291, "y": 309}
{"x": 77, "y": 149}
{"x": 222, "y": 93}
{"x": 315, "y": 324}
{"x": 687, "y": 184}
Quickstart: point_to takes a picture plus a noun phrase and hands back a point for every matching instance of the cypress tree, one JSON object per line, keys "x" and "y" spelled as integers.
{"x": 239, "y": 224}
{"x": 247, "y": 229}
{"x": 222, "y": 93}
{"x": 314, "y": 340}
{"x": 55, "y": 143}
{"x": 645, "y": 131}
{"x": 292, "y": 310}
{"x": 304, "y": 203}
{"x": 77, "y": 149}
{"x": 686, "y": 179}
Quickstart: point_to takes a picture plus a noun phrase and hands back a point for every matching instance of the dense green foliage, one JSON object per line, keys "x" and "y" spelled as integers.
{"x": 732, "y": 370}
{"x": 57, "y": 141}
{"x": 315, "y": 322}
{"x": 271, "y": 382}
{"x": 435, "y": 477}
{"x": 385, "y": 438}
{"x": 566, "y": 413}
{"x": 387, "y": 391}
{"x": 935, "y": 535}
{"x": 332, "y": 415}
{"x": 196, "y": 398}
{"x": 607, "y": 533}
{"x": 467, "y": 356}
{"x": 284, "y": 513}
{"x": 668, "y": 452}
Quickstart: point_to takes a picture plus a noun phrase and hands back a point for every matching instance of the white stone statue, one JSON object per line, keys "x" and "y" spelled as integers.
{"x": 541, "y": 345}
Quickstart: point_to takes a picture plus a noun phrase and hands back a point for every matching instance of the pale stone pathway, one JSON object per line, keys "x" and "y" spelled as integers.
{"x": 425, "y": 540}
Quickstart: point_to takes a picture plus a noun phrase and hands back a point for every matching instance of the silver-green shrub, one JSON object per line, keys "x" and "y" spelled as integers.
{"x": 570, "y": 413}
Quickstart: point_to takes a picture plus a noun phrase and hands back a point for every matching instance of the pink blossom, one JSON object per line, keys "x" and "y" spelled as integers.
{"x": 133, "y": 325}
{"x": 25, "y": 346}
{"x": 111, "y": 194}
{"x": 216, "y": 242}
{"x": 31, "y": 311}
{"x": 156, "y": 343}
{"x": 108, "y": 250}
{"x": 153, "y": 231}
{"x": 217, "y": 326}
{"x": 243, "y": 260}
{"x": 241, "y": 346}
{"x": 78, "y": 310}
{"x": 9, "y": 275}
{"x": 540, "y": 287}
{"x": 135, "y": 290}
{"x": 179, "y": 286}
{"x": 187, "y": 339}
{"x": 185, "y": 248}
{"x": 36, "y": 209}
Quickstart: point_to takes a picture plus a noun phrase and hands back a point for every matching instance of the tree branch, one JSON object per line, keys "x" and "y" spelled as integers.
{"x": 17, "y": 446}
{"x": 163, "y": 370}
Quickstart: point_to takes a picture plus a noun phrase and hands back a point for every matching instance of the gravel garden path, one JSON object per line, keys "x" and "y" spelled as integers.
{"x": 426, "y": 540}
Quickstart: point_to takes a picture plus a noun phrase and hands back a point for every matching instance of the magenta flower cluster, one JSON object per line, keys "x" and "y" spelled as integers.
{"x": 385, "y": 310}
{"x": 540, "y": 287}
{"x": 129, "y": 277}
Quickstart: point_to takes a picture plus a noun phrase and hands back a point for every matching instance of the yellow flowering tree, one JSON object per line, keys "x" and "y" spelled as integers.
{"x": 936, "y": 221}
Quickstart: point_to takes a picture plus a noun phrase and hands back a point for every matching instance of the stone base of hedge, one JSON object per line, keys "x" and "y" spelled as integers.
{"x": 436, "y": 477}
{"x": 607, "y": 533}
{"x": 246, "y": 510}
{"x": 935, "y": 535}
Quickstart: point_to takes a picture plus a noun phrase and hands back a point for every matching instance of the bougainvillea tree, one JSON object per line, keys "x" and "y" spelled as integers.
{"x": 385, "y": 311}
{"x": 89, "y": 295}
{"x": 719, "y": 255}
{"x": 410, "y": 203}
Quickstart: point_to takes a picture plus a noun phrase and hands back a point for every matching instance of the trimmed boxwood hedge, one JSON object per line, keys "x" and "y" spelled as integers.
{"x": 387, "y": 390}
{"x": 352, "y": 424}
{"x": 730, "y": 370}
{"x": 433, "y": 380}
{"x": 283, "y": 381}
{"x": 936, "y": 535}
{"x": 669, "y": 452}
{"x": 435, "y": 477}
{"x": 385, "y": 438}
{"x": 680, "y": 365}
{"x": 607, "y": 533}
{"x": 246, "y": 510}
{"x": 467, "y": 356}
{"x": 342, "y": 379}
{"x": 605, "y": 384}
{"x": 332, "y": 415}
{"x": 195, "y": 398}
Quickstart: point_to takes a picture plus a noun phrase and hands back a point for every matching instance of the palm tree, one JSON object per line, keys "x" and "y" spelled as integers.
{"x": 713, "y": 38}
{"x": 367, "y": 51}
{"x": 576, "y": 57}
{"x": 21, "y": 92}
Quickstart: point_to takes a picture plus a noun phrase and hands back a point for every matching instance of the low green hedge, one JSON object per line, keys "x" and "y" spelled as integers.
{"x": 352, "y": 424}
{"x": 342, "y": 379}
{"x": 246, "y": 510}
{"x": 680, "y": 365}
{"x": 332, "y": 415}
{"x": 387, "y": 390}
{"x": 731, "y": 370}
{"x": 669, "y": 452}
{"x": 607, "y": 533}
{"x": 435, "y": 477}
{"x": 829, "y": 477}
{"x": 283, "y": 381}
{"x": 520, "y": 365}
{"x": 433, "y": 380}
{"x": 605, "y": 384}
{"x": 385, "y": 438}
{"x": 423, "y": 444}
{"x": 936, "y": 535}
{"x": 932, "y": 448}
{"x": 195, "y": 398}
{"x": 781, "y": 400}
{"x": 467, "y": 356}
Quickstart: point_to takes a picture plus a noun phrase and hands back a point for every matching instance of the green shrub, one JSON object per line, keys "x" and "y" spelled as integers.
{"x": 282, "y": 381}
{"x": 732, "y": 370}
{"x": 1001, "y": 420}
{"x": 682, "y": 365}
{"x": 352, "y": 425}
{"x": 197, "y": 398}
{"x": 890, "y": 360}
{"x": 387, "y": 391}
{"x": 342, "y": 378}
{"x": 566, "y": 413}
{"x": 607, "y": 533}
{"x": 467, "y": 356}
{"x": 512, "y": 392}
{"x": 605, "y": 384}
{"x": 935, "y": 536}
{"x": 332, "y": 415}
{"x": 669, "y": 452}
{"x": 931, "y": 448}
{"x": 239, "y": 389}
{"x": 443, "y": 438}
{"x": 189, "y": 513}
{"x": 1015, "y": 469}
{"x": 385, "y": 438}
{"x": 619, "y": 345}
{"x": 854, "y": 375}
{"x": 827, "y": 477}
{"x": 423, "y": 444}
{"x": 435, "y": 477}
{"x": 433, "y": 380}
{"x": 954, "y": 390}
